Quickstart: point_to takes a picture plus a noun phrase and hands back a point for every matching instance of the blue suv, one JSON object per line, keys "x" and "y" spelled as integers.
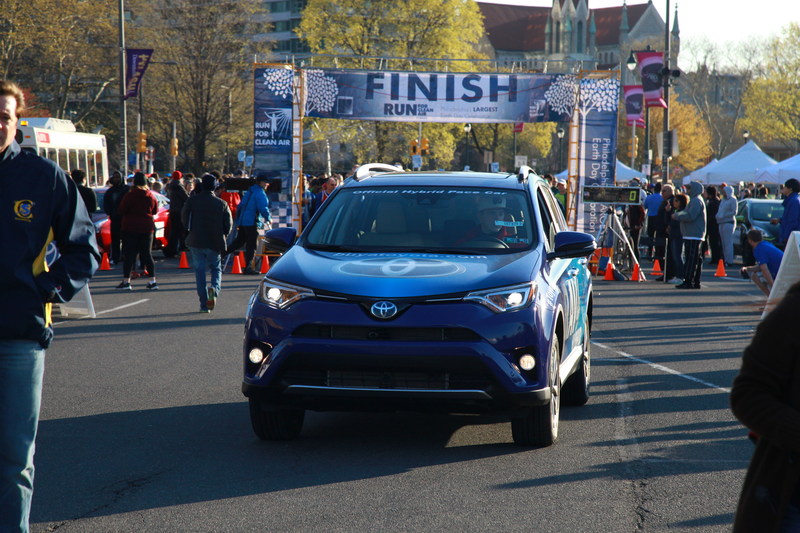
{"x": 451, "y": 291}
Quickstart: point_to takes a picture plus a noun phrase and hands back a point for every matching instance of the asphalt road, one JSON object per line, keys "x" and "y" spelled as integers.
{"x": 144, "y": 428}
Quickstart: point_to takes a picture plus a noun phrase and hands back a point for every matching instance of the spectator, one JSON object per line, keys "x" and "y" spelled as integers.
{"x": 634, "y": 218}
{"x": 111, "y": 201}
{"x": 790, "y": 221}
{"x": 768, "y": 262}
{"x": 232, "y": 198}
{"x": 726, "y": 221}
{"x": 693, "y": 230}
{"x": 764, "y": 397}
{"x": 87, "y": 193}
{"x": 561, "y": 194}
{"x": 40, "y": 206}
{"x": 675, "y": 266}
{"x": 651, "y": 205}
{"x": 660, "y": 246}
{"x": 208, "y": 220}
{"x": 328, "y": 186}
{"x": 177, "y": 198}
{"x": 138, "y": 208}
{"x": 254, "y": 203}
{"x": 712, "y": 242}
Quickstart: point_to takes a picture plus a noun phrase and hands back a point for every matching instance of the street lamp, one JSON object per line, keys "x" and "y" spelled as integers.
{"x": 631, "y": 64}
{"x": 467, "y": 129}
{"x": 560, "y": 135}
{"x": 746, "y": 135}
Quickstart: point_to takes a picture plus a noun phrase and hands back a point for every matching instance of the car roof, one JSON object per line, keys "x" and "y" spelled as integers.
{"x": 438, "y": 178}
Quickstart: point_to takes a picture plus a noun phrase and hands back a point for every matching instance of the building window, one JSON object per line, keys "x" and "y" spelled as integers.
{"x": 579, "y": 40}
{"x": 277, "y": 7}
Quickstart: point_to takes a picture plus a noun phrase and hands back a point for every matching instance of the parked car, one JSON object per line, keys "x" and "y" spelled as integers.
{"x": 755, "y": 213}
{"x": 449, "y": 291}
{"x": 102, "y": 223}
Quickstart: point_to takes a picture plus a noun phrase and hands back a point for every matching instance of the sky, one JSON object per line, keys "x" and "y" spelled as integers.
{"x": 721, "y": 21}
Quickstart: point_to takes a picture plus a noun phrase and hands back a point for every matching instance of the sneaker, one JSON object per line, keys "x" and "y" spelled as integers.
{"x": 125, "y": 286}
{"x": 684, "y": 286}
{"x": 250, "y": 271}
{"x": 153, "y": 286}
{"x": 212, "y": 299}
{"x": 205, "y": 310}
{"x": 675, "y": 281}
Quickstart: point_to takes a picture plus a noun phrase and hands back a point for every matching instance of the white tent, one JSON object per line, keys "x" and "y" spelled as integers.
{"x": 697, "y": 174}
{"x": 741, "y": 165}
{"x": 786, "y": 169}
{"x": 624, "y": 173}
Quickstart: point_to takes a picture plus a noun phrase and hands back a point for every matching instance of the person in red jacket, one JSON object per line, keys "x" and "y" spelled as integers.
{"x": 137, "y": 210}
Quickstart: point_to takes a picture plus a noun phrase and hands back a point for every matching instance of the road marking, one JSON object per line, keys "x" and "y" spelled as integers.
{"x": 137, "y": 302}
{"x": 663, "y": 368}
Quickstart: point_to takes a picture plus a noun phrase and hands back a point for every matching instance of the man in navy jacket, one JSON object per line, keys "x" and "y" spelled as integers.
{"x": 49, "y": 253}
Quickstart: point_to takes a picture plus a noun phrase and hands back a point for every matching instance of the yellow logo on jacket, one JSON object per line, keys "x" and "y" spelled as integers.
{"x": 23, "y": 209}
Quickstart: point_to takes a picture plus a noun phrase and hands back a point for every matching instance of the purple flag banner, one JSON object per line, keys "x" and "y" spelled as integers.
{"x": 650, "y": 66}
{"x": 634, "y": 104}
{"x": 136, "y": 61}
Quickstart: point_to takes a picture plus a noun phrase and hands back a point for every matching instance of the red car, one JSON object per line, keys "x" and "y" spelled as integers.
{"x": 102, "y": 224}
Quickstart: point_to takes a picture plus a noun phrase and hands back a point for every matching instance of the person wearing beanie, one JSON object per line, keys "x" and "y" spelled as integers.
{"x": 138, "y": 207}
{"x": 208, "y": 220}
{"x": 177, "y": 198}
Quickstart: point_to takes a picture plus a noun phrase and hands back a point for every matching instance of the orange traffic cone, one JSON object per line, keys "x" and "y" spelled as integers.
{"x": 237, "y": 266}
{"x": 720, "y": 273}
{"x": 609, "y": 272}
{"x": 656, "y": 269}
{"x": 184, "y": 261}
{"x": 264, "y": 264}
{"x": 104, "y": 264}
{"x": 637, "y": 275}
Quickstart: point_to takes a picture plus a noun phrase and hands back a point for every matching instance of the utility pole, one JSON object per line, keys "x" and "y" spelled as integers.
{"x": 123, "y": 110}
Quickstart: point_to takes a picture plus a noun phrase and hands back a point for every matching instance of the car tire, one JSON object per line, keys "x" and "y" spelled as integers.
{"x": 538, "y": 426}
{"x": 275, "y": 423}
{"x": 575, "y": 391}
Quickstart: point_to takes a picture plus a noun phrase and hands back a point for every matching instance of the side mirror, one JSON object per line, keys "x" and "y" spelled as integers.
{"x": 570, "y": 244}
{"x": 280, "y": 239}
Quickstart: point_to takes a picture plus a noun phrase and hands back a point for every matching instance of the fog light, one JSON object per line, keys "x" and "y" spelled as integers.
{"x": 527, "y": 362}
{"x": 256, "y": 355}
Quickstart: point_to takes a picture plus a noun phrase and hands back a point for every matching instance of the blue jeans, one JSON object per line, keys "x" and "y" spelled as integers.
{"x": 202, "y": 259}
{"x": 21, "y": 371}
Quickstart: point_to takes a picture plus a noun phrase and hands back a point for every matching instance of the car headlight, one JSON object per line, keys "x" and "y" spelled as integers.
{"x": 504, "y": 298}
{"x": 281, "y": 295}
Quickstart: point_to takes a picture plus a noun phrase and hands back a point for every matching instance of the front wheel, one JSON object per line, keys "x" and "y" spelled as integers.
{"x": 539, "y": 425}
{"x": 275, "y": 423}
{"x": 576, "y": 390}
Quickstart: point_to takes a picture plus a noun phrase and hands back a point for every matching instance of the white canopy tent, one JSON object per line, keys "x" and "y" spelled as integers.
{"x": 741, "y": 165}
{"x": 623, "y": 174}
{"x": 697, "y": 174}
{"x": 786, "y": 169}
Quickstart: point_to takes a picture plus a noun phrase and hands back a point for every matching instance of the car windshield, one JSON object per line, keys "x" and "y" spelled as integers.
{"x": 766, "y": 211}
{"x": 424, "y": 219}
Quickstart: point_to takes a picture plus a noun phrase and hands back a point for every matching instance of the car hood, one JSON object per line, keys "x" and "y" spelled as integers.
{"x": 401, "y": 275}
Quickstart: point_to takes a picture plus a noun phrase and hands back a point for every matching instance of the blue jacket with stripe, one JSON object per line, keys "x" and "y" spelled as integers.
{"x": 49, "y": 250}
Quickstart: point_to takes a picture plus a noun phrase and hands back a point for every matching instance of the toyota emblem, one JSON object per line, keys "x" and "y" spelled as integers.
{"x": 383, "y": 309}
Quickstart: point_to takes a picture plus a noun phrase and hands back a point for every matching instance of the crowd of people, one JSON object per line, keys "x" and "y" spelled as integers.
{"x": 685, "y": 225}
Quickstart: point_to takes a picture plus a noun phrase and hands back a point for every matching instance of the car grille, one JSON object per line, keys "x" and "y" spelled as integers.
{"x": 386, "y": 380}
{"x": 316, "y": 331}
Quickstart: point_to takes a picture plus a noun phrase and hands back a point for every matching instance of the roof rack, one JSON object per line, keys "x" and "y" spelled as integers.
{"x": 367, "y": 170}
{"x": 523, "y": 173}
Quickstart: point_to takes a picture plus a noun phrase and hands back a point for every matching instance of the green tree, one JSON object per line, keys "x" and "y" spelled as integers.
{"x": 422, "y": 35}
{"x": 202, "y": 76}
{"x": 772, "y": 101}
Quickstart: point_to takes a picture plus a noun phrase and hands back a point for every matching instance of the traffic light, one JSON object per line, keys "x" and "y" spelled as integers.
{"x": 424, "y": 146}
{"x": 414, "y": 147}
{"x": 173, "y": 147}
{"x": 141, "y": 142}
{"x": 635, "y": 145}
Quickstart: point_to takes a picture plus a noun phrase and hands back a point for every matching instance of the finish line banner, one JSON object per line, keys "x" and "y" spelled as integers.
{"x": 434, "y": 96}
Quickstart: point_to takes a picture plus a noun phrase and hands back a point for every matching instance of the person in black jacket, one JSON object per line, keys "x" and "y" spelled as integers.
{"x": 209, "y": 221}
{"x": 111, "y": 201}
{"x": 87, "y": 193}
{"x": 49, "y": 253}
{"x": 176, "y": 192}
